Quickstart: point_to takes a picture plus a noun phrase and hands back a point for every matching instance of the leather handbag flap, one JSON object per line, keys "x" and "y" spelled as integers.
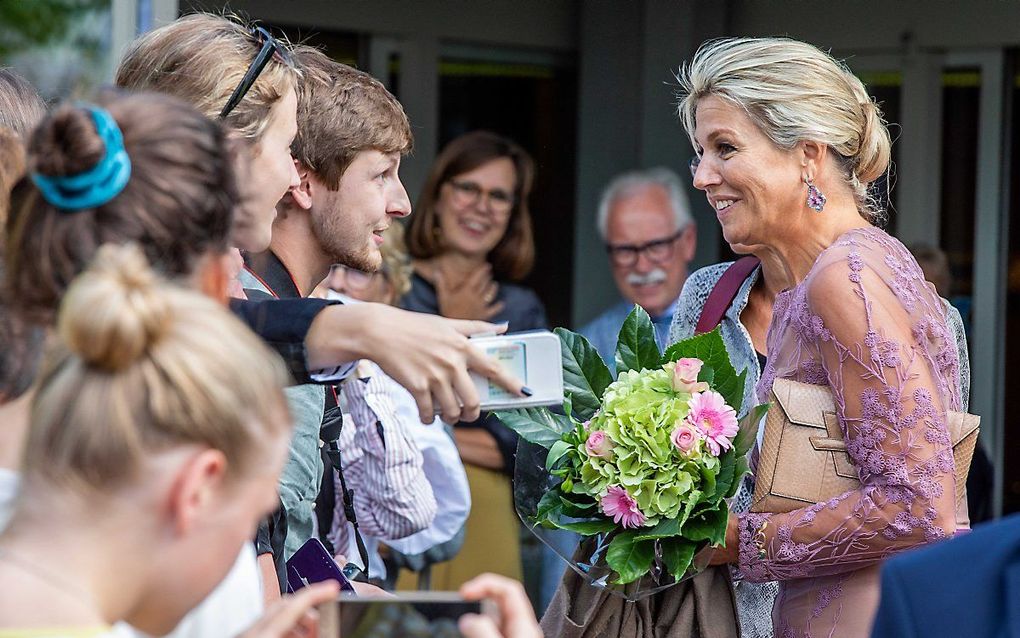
{"x": 803, "y": 403}
{"x": 961, "y": 425}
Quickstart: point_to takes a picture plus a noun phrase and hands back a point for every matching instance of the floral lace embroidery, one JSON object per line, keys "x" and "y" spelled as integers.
{"x": 865, "y": 323}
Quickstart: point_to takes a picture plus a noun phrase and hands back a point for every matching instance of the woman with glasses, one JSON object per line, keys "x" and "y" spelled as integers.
{"x": 471, "y": 237}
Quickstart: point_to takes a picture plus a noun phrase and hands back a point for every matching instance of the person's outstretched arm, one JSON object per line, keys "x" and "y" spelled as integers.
{"x": 429, "y": 356}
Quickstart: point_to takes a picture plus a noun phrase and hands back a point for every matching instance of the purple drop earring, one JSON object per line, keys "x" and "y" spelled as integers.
{"x": 815, "y": 198}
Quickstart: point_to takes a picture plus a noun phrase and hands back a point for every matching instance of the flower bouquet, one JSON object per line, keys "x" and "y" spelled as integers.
{"x": 640, "y": 467}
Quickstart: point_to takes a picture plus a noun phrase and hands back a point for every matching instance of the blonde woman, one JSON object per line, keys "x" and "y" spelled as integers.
{"x": 787, "y": 142}
{"x": 146, "y": 169}
{"x": 158, "y": 428}
{"x": 241, "y": 75}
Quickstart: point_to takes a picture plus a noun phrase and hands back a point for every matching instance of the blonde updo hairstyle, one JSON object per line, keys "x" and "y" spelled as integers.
{"x": 201, "y": 59}
{"x": 794, "y": 92}
{"x": 142, "y": 365}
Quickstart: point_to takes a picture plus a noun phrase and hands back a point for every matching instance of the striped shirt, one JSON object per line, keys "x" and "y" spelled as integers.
{"x": 382, "y": 463}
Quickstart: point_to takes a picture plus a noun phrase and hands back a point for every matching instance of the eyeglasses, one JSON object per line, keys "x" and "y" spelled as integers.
{"x": 353, "y": 278}
{"x": 694, "y": 164}
{"x": 470, "y": 193}
{"x": 658, "y": 251}
{"x": 270, "y": 47}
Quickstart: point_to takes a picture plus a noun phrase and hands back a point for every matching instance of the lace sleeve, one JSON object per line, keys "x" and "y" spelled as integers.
{"x": 865, "y": 323}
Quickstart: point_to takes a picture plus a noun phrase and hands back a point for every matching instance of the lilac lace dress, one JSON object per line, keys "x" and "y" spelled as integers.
{"x": 865, "y": 323}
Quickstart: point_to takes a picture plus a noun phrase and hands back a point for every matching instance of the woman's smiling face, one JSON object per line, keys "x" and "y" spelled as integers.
{"x": 474, "y": 208}
{"x": 755, "y": 188}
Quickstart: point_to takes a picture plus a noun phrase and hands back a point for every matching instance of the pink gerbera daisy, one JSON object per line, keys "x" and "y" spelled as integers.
{"x": 716, "y": 420}
{"x": 622, "y": 507}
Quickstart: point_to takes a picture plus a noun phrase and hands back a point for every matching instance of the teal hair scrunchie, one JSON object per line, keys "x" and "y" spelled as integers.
{"x": 99, "y": 184}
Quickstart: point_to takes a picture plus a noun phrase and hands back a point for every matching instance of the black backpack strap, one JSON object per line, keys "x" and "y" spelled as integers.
{"x": 329, "y": 433}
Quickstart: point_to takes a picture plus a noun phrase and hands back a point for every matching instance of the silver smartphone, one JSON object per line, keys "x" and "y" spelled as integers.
{"x": 406, "y": 614}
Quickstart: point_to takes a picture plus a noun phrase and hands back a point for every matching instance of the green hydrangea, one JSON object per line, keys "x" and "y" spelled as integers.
{"x": 639, "y": 413}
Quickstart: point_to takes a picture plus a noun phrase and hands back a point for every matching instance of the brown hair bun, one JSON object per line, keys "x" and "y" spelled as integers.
{"x": 69, "y": 145}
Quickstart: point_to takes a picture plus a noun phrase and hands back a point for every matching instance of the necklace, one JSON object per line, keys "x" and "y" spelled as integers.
{"x": 79, "y": 595}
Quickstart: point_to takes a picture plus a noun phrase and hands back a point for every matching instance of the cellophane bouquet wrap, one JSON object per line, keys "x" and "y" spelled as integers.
{"x": 640, "y": 466}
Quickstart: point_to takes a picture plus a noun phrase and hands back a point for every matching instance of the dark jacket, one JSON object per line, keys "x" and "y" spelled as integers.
{"x": 283, "y": 324}
{"x": 968, "y": 586}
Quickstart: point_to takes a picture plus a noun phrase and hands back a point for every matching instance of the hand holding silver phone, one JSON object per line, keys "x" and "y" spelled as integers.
{"x": 534, "y": 358}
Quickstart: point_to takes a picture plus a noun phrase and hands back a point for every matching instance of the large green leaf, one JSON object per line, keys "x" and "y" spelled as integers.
{"x": 588, "y": 528}
{"x": 709, "y": 347}
{"x": 577, "y": 507}
{"x": 549, "y": 505}
{"x": 677, "y": 553}
{"x": 727, "y": 475}
{"x": 536, "y": 425}
{"x": 629, "y": 557}
{"x": 556, "y": 452}
{"x": 585, "y": 375}
{"x": 738, "y": 476}
{"x": 748, "y": 432}
{"x": 710, "y": 526}
{"x": 636, "y": 348}
{"x": 665, "y": 529}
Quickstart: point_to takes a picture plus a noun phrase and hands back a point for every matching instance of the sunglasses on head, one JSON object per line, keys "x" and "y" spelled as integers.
{"x": 270, "y": 47}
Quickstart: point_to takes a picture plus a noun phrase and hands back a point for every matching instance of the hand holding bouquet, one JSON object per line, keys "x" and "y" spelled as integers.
{"x": 643, "y": 464}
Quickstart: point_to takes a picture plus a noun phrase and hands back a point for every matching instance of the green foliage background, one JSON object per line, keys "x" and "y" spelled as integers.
{"x": 29, "y": 23}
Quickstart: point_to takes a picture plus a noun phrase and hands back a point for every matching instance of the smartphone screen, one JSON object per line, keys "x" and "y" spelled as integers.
{"x": 513, "y": 357}
{"x": 311, "y": 563}
{"x": 429, "y": 615}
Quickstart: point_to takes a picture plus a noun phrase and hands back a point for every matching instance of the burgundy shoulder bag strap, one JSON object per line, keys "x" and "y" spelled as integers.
{"x": 723, "y": 293}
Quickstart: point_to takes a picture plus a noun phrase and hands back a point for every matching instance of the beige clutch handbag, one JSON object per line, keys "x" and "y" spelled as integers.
{"x": 803, "y": 458}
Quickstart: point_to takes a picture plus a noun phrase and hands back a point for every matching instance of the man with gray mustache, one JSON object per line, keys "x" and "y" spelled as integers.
{"x": 645, "y": 220}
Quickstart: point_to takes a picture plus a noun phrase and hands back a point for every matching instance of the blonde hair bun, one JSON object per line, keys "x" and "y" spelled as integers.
{"x": 875, "y": 152}
{"x": 113, "y": 313}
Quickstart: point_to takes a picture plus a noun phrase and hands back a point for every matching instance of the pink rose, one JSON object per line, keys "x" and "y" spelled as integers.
{"x": 685, "y": 437}
{"x": 598, "y": 444}
{"x": 685, "y": 376}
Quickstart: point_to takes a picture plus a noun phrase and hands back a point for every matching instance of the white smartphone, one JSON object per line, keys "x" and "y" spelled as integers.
{"x": 534, "y": 358}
